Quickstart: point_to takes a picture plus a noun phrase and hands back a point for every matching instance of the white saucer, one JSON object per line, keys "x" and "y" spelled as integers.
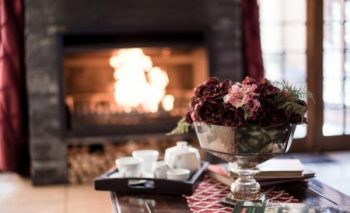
{"x": 143, "y": 175}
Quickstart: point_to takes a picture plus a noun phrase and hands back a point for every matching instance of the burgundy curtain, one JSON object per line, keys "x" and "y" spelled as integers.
{"x": 252, "y": 54}
{"x": 13, "y": 140}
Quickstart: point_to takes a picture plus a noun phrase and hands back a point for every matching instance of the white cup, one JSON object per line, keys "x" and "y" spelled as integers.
{"x": 161, "y": 169}
{"x": 149, "y": 159}
{"x": 129, "y": 166}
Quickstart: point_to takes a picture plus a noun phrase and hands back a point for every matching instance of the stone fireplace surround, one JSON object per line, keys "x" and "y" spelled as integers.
{"x": 48, "y": 21}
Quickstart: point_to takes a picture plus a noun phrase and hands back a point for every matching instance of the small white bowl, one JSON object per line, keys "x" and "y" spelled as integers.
{"x": 178, "y": 174}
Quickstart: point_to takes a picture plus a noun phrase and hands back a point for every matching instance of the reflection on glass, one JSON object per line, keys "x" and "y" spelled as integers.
{"x": 336, "y": 67}
{"x": 295, "y": 71}
{"x": 265, "y": 8}
{"x": 347, "y": 10}
{"x": 332, "y": 64}
{"x": 300, "y": 131}
{"x": 295, "y": 37}
{"x": 333, "y": 91}
{"x": 347, "y": 34}
{"x": 332, "y": 35}
{"x": 296, "y": 10}
{"x": 271, "y": 37}
{"x": 283, "y": 39}
{"x": 347, "y": 64}
{"x": 347, "y": 121}
{"x": 273, "y": 66}
{"x": 295, "y": 66}
{"x": 332, "y": 124}
{"x": 332, "y": 10}
{"x": 347, "y": 92}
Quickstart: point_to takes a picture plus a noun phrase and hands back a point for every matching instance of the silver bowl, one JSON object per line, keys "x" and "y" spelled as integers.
{"x": 244, "y": 147}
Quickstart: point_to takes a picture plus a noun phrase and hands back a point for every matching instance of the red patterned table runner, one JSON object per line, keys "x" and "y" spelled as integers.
{"x": 205, "y": 199}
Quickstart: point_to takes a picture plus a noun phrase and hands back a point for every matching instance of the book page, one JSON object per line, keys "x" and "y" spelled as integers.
{"x": 277, "y": 165}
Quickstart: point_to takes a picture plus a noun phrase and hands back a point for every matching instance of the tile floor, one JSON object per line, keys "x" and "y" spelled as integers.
{"x": 18, "y": 195}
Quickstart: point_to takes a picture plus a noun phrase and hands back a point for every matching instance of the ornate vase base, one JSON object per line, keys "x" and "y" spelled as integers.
{"x": 230, "y": 201}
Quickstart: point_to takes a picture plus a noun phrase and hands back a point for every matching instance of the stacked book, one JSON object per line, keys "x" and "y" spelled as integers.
{"x": 273, "y": 171}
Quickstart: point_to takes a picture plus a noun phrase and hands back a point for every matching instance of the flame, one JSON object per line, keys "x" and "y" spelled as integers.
{"x": 139, "y": 86}
{"x": 168, "y": 102}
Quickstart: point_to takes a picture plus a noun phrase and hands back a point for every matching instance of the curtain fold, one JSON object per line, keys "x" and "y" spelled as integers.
{"x": 13, "y": 135}
{"x": 251, "y": 46}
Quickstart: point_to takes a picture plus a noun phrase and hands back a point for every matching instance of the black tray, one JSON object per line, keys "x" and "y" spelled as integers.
{"x": 149, "y": 185}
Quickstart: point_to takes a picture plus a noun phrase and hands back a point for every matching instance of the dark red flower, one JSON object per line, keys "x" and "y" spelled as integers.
{"x": 265, "y": 88}
{"x": 208, "y": 111}
{"x": 232, "y": 117}
{"x": 265, "y": 107}
{"x": 212, "y": 88}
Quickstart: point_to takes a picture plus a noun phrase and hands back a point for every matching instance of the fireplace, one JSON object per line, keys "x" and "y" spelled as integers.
{"x": 73, "y": 84}
{"x": 138, "y": 86}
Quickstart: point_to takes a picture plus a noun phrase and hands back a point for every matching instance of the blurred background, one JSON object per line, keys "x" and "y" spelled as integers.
{"x": 84, "y": 82}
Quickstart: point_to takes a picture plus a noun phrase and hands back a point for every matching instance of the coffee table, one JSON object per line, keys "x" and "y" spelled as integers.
{"x": 311, "y": 192}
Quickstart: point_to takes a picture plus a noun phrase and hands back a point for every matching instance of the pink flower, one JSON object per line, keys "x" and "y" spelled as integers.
{"x": 234, "y": 96}
{"x": 249, "y": 88}
{"x": 244, "y": 96}
{"x": 240, "y": 94}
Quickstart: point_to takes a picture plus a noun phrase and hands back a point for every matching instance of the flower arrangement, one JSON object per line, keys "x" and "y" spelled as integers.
{"x": 247, "y": 103}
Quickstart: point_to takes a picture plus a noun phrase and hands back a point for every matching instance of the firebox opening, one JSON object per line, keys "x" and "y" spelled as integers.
{"x": 129, "y": 90}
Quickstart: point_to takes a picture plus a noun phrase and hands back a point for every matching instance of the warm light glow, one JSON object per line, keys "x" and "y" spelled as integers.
{"x": 139, "y": 86}
{"x": 168, "y": 102}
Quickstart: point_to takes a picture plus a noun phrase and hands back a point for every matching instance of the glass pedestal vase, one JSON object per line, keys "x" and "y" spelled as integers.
{"x": 244, "y": 147}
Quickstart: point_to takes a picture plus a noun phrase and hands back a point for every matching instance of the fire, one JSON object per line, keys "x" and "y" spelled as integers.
{"x": 168, "y": 102}
{"x": 139, "y": 86}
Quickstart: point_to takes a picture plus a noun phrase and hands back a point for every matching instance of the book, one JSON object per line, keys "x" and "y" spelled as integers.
{"x": 273, "y": 171}
{"x": 280, "y": 168}
{"x": 271, "y": 207}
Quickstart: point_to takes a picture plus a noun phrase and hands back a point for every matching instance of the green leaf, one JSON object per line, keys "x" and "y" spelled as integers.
{"x": 181, "y": 128}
